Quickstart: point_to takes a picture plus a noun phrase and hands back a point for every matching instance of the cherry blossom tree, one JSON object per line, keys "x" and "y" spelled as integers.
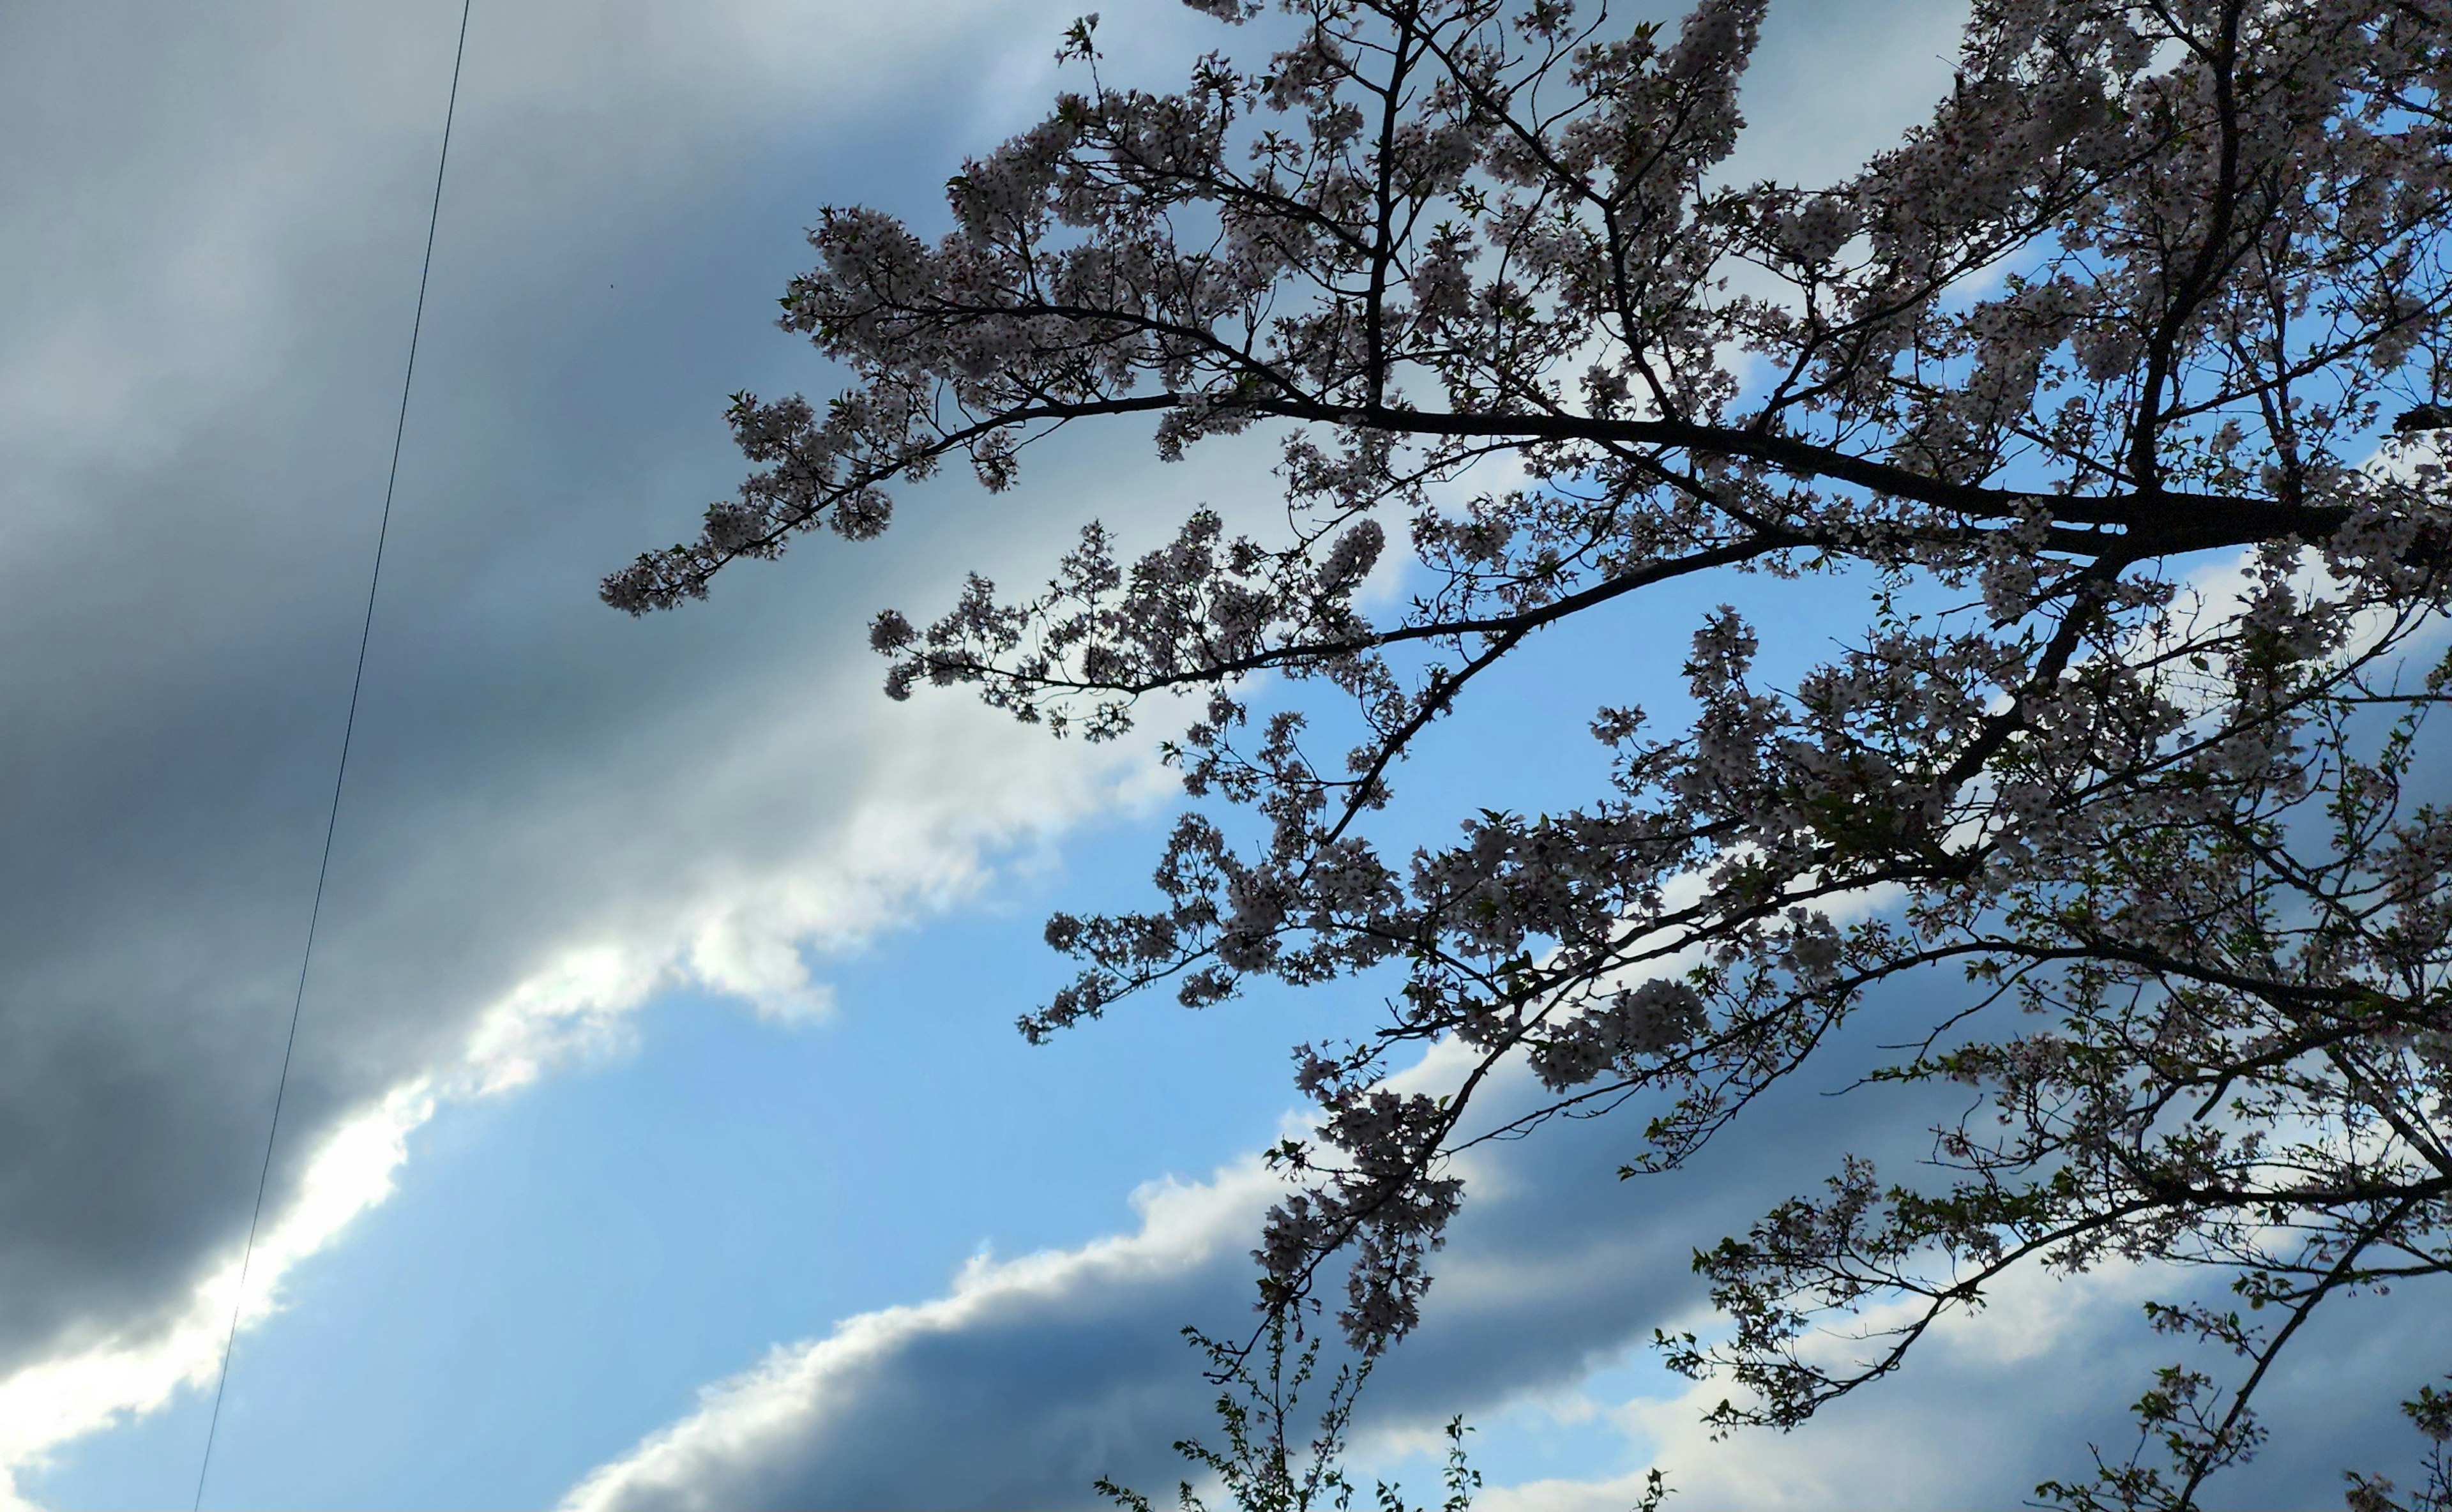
{"x": 2160, "y": 287}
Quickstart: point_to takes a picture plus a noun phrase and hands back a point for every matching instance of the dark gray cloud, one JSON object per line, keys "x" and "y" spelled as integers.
{"x": 1027, "y": 1382}
{"x": 1031, "y": 1377}
{"x": 215, "y": 216}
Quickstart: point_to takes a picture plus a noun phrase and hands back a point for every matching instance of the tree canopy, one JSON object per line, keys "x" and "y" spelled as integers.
{"x": 2159, "y": 285}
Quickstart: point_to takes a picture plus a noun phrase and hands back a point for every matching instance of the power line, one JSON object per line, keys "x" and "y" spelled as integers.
{"x": 349, "y": 728}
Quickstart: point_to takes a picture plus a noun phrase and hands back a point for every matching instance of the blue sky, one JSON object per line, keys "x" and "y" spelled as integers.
{"x": 659, "y": 1036}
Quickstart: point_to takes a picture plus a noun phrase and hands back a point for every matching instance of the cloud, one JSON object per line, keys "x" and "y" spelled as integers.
{"x": 1994, "y": 1402}
{"x": 1028, "y": 1378}
{"x": 838, "y": 1419}
{"x": 1031, "y": 1377}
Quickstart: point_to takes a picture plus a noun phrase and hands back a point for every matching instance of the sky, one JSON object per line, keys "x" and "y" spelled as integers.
{"x": 658, "y": 1134}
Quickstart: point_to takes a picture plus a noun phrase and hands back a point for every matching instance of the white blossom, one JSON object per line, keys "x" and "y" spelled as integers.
{"x": 2145, "y": 286}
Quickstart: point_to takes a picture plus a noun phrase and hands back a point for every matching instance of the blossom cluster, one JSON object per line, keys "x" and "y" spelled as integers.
{"x": 2148, "y": 284}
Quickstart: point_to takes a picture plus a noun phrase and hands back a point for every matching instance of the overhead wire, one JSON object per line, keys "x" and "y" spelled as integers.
{"x": 340, "y": 775}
